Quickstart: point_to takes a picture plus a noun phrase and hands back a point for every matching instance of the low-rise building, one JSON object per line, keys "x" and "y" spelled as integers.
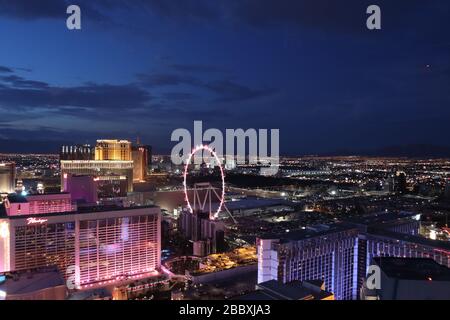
{"x": 295, "y": 290}
{"x": 33, "y": 284}
{"x": 407, "y": 279}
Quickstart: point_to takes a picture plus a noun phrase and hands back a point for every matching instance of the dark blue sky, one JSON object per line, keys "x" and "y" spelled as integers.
{"x": 146, "y": 67}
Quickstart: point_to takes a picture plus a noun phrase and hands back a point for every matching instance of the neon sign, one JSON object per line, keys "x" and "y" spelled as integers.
{"x": 36, "y": 221}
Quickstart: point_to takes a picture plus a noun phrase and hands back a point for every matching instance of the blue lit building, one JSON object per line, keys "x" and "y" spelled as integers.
{"x": 340, "y": 254}
{"x": 328, "y": 253}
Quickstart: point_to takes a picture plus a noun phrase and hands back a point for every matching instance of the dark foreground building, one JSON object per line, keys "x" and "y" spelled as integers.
{"x": 340, "y": 254}
{"x": 409, "y": 279}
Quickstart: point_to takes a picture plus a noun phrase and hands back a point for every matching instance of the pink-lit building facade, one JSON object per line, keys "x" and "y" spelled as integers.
{"x": 81, "y": 187}
{"x": 38, "y": 204}
{"x": 89, "y": 248}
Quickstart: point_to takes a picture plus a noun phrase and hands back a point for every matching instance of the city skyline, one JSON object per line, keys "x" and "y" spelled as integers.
{"x": 224, "y": 155}
{"x": 147, "y": 68}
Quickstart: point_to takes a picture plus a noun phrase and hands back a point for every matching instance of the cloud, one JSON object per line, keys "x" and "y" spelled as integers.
{"x": 226, "y": 90}
{"x": 56, "y": 9}
{"x": 330, "y": 15}
{"x": 95, "y": 96}
{"x": 27, "y": 99}
{"x": 99, "y": 10}
{"x": 5, "y": 70}
{"x": 198, "y": 10}
{"x": 229, "y": 91}
{"x": 18, "y": 92}
{"x": 37, "y": 102}
{"x": 178, "y": 96}
{"x": 326, "y": 15}
{"x": 194, "y": 68}
{"x": 33, "y": 9}
{"x": 156, "y": 80}
{"x": 19, "y": 82}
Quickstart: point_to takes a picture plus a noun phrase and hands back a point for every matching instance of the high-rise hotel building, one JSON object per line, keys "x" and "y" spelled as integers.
{"x": 328, "y": 253}
{"x": 103, "y": 170}
{"x": 7, "y": 177}
{"x": 141, "y": 156}
{"x": 116, "y": 150}
{"x": 77, "y": 152}
{"x": 340, "y": 254}
{"x": 90, "y": 247}
{"x": 116, "y": 163}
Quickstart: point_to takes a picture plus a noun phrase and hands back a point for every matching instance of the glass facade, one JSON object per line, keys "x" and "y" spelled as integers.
{"x": 45, "y": 245}
{"x": 341, "y": 257}
{"x": 106, "y": 168}
{"x": 118, "y": 246}
{"x": 378, "y": 246}
{"x": 330, "y": 258}
{"x": 92, "y": 247}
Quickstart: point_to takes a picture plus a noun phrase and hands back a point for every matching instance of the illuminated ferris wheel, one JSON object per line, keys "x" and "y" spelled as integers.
{"x": 205, "y": 203}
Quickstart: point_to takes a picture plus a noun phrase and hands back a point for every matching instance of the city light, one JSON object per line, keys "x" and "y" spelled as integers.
{"x": 323, "y": 124}
{"x": 4, "y": 230}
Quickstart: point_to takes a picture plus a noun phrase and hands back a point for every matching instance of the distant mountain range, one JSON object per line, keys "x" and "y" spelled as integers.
{"x": 30, "y": 146}
{"x": 409, "y": 151}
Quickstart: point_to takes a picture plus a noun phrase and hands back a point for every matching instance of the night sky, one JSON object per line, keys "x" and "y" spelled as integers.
{"x": 146, "y": 67}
